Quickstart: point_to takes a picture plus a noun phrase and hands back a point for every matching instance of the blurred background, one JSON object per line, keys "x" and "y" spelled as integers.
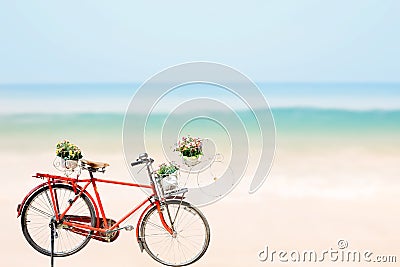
{"x": 329, "y": 71}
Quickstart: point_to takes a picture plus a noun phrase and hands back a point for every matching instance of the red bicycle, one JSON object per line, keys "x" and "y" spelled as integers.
{"x": 172, "y": 231}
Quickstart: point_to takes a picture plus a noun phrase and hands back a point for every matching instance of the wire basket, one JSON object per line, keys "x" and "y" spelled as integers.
{"x": 168, "y": 186}
{"x": 68, "y": 167}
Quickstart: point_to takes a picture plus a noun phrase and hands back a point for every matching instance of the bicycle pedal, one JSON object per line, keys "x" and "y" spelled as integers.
{"x": 129, "y": 228}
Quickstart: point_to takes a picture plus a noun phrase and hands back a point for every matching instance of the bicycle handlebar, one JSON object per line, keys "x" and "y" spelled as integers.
{"x": 141, "y": 161}
{"x": 137, "y": 162}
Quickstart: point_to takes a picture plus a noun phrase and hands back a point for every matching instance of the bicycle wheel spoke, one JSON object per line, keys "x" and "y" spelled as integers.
{"x": 160, "y": 234}
{"x": 48, "y": 199}
{"x": 189, "y": 223}
{"x": 42, "y": 204}
{"x": 41, "y": 212}
{"x": 158, "y": 226}
{"x": 161, "y": 240}
{"x": 179, "y": 246}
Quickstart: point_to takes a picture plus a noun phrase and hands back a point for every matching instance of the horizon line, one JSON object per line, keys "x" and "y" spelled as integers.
{"x": 142, "y": 82}
{"x": 304, "y": 108}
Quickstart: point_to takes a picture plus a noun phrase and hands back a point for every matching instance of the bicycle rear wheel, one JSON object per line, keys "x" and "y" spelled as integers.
{"x": 187, "y": 245}
{"x": 38, "y": 212}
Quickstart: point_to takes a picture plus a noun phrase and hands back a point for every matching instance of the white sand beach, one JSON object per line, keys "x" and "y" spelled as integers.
{"x": 311, "y": 199}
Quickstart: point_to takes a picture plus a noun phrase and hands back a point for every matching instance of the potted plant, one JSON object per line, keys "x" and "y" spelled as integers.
{"x": 168, "y": 176}
{"x": 190, "y": 148}
{"x": 69, "y": 154}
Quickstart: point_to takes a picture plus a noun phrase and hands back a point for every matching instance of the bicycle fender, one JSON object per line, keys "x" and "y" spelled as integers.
{"x": 21, "y": 205}
{"x": 138, "y": 226}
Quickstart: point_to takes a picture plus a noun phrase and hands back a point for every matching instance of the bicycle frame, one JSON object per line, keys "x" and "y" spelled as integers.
{"x": 73, "y": 214}
{"x": 59, "y": 215}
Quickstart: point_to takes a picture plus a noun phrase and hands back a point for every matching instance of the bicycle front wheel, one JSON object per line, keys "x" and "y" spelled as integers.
{"x": 190, "y": 239}
{"x": 38, "y": 212}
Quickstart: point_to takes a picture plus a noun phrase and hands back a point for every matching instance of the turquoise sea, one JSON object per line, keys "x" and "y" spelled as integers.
{"x": 43, "y": 114}
{"x": 293, "y": 126}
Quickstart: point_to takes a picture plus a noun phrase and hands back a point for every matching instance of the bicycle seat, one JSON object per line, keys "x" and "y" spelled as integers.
{"x": 95, "y": 164}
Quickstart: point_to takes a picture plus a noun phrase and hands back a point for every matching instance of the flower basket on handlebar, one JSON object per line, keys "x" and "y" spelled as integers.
{"x": 169, "y": 182}
{"x": 167, "y": 177}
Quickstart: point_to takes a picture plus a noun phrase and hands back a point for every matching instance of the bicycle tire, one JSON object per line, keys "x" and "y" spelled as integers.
{"x": 38, "y": 211}
{"x": 173, "y": 256}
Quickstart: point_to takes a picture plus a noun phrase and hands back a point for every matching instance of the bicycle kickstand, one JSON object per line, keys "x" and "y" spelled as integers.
{"x": 52, "y": 234}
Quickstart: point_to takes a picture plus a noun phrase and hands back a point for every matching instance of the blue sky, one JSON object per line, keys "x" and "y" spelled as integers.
{"x": 270, "y": 41}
